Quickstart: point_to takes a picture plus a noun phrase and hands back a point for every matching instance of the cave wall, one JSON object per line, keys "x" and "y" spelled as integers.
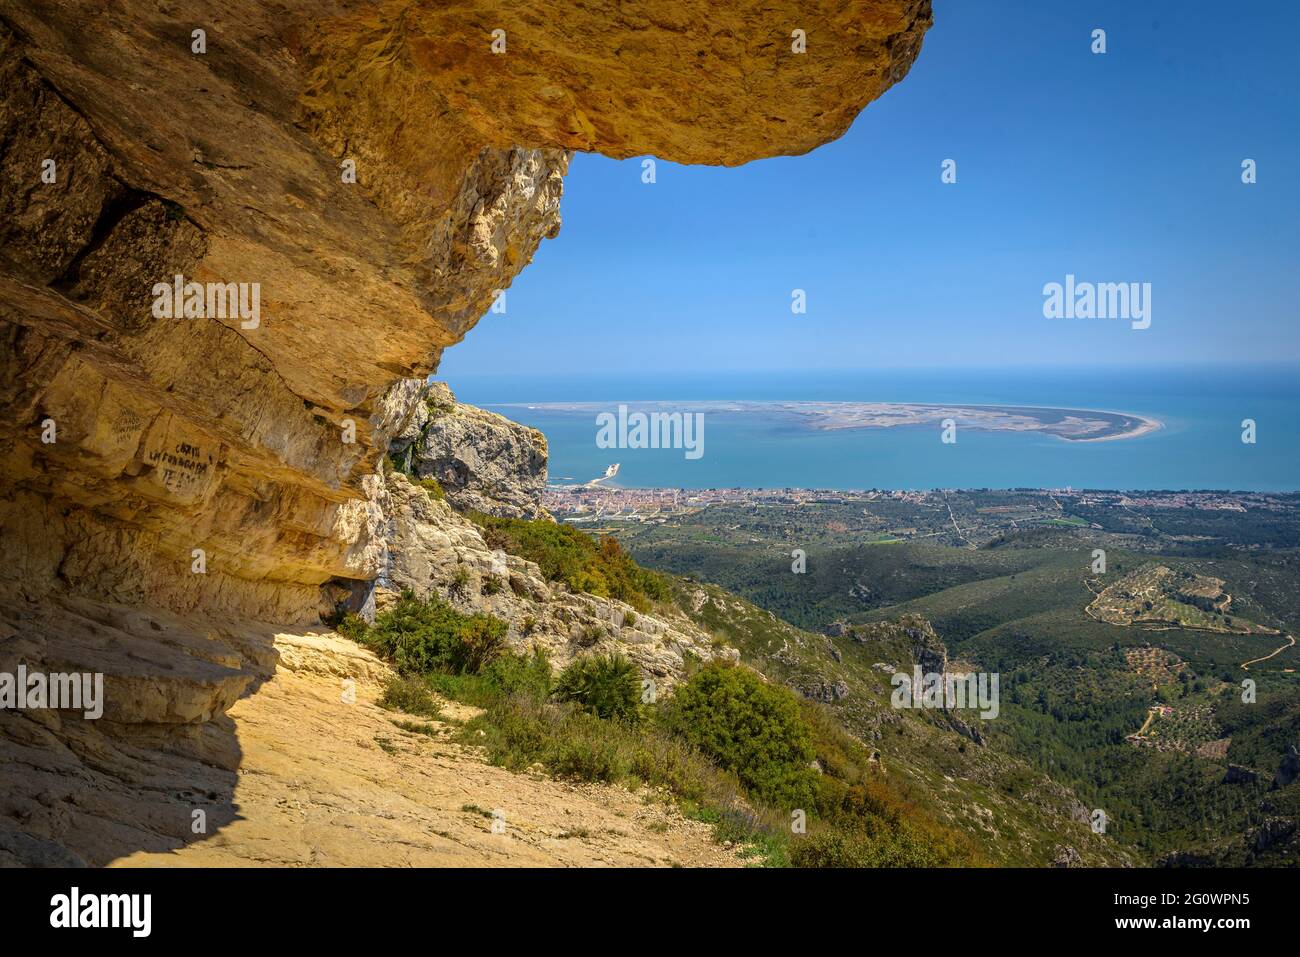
{"x": 227, "y": 166}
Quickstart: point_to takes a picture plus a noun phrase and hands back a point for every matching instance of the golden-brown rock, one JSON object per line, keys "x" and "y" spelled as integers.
{"x": 340, "y": 188}
{"x": 226, "y": 157}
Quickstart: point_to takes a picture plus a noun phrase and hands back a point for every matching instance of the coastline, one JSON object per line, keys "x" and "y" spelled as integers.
{"x": 1146, "y": 428}
{"x": 1180, "y": 439}
{"x": 854, "y": 415}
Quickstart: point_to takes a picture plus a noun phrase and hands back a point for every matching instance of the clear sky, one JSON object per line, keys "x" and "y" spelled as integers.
{"x": 1116, "y": 167}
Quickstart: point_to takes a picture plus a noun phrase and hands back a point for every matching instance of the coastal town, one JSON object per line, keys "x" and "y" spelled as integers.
{"x": 966, "y": 518}
{"x": 596, "y": 500}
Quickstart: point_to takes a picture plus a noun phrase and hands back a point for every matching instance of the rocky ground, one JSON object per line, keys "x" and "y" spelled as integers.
{"x": 304, "y": 769}
{"x": 433, "y": 550}
{"x": 483, "y": 462}
{"x": 322, "y": 782}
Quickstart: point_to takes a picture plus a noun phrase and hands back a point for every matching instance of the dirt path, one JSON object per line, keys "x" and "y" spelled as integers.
{"x": 325, "y": 783}
{"x": 1245, "y": 665}
{"x": 1151, "y": 716}
{"x": 957, "y": 528}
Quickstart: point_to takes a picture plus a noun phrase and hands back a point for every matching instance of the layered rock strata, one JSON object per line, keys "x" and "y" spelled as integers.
{"x": 233, "y": 243}
{"x": 482, "y": 462}
{"x": 379, "y": 170}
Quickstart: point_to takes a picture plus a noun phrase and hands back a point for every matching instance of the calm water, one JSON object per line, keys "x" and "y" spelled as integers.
{"x": 1199, "y": 448}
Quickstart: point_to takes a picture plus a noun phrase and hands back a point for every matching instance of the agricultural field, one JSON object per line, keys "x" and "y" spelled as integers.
{"x": 1135, "y": 687}
{"x": 1155, "y": 596}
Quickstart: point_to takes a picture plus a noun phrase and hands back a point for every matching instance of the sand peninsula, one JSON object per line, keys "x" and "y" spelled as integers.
{"x": 1070, "y": 425}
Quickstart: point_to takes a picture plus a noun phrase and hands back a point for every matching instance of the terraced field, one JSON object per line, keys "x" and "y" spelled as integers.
{"x": 1155, "y": 596}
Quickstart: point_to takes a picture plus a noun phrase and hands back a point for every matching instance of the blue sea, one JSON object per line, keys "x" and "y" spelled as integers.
{"x": 1200, "y": 446}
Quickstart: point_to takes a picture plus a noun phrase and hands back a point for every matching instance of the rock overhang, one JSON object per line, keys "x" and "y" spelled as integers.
{"x": 224, "y": 166}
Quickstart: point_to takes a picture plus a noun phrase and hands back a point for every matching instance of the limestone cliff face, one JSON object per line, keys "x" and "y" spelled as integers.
{"x": 231, "y": 165}
{"x": 482, "y": 461}
{"x": 433, "y": 551}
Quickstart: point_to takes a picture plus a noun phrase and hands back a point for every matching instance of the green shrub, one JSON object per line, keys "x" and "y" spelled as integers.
{"x": 434, "y": 488}
{"x": 427, "y": 636}
{"x": 608, "y": 686}
{"x": 460, "y": 579}
{"x": 749, "y": 727}
{"x": 415, "y": 727}
{"x": 409, "y": 694}
{"x": 517, "y": 732}
{"x": 527, "y": 677}
{"x": 400, "y": 463}
{"x": 520, "y": 729}
{"x": 871, "y": 824}
{"x": 901, "y": 847}
{"x": 521, "y": 732}
{"x": 352, "y": 626}
{"x": 569, "y": 555}
{"x": 585, "y": 751}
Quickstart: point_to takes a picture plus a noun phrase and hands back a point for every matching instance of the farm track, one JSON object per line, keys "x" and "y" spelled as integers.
{"x": 1245, "y": 665}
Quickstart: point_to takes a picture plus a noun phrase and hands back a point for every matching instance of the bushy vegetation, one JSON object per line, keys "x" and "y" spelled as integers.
{"x": 867, "y": 845}
{"x": 426, "y": 636}
{"x": 576, "y": 744}
{"x": 569, "y": 555}
{"x": 864, "y": 823}
{"x": 437, "y": 406}
{"x": 434, "y": 488}
{"x": 525, "y": 677}
{"x": 607, "y": 686}
{"x": 749, "y": 727}
{"x": 1069, "y": 698}
{"x": 352, "y": 626}
{"x": 729, "y": 748}
{"x": 410, "y": 695}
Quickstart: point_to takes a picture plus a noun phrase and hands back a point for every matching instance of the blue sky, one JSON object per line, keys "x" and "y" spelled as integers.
{"x": 1118, "y": 167}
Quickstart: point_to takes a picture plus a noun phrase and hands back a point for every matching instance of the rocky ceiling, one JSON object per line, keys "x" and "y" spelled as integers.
{"x": 134, "y": 149}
